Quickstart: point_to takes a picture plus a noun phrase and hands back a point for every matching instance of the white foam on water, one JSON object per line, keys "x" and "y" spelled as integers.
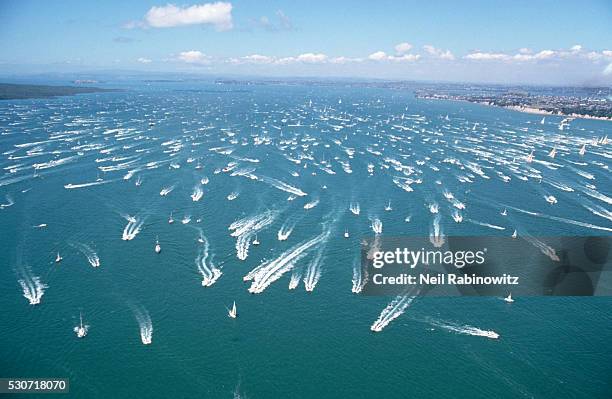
{"x": 377, "y": 226}
{"x": 269, "y": 271}
{"x": 144, "y": 323}
{"x": 296, "y": 276}
{"x": 244, "y": 230}
{"x": 33, "y": 288}
{"x": 132, "y": 228}
{"x": 92, "y": 256}
{"x": 282, "y": 186}
{"x": 197, "y": 193}
{"x": 286, "y": 229}
{"x": 436, "y": 235}
{"x": 463, "y": 329}
{"x": 394, "y": 309}
{"x": 210, "y": 273}
{"x": 313, "y": 270}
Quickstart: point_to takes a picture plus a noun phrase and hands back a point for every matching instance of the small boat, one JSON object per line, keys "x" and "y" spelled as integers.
{"x": 509, "y": 298}
{"x": 157, "y": 246}
{"x": 170, "y": 219}
{"x": 346, "y": 234}
{"x": 80, "y": 330}
{"x": 232, "y": 312}
{"x": 255, "y": 241}
{"x": 550, "y": 199}
{"x": 58, "y": 258}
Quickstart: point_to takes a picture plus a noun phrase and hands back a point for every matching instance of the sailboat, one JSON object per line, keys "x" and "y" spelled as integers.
{"x": 232, "y": 312}
{"x": 58, "y": 258}
{"x": 170, "y": 219}
{"x": 552, "y": 152}
{"x": 346, "y": 233}
{"x": 157, "y": 246}
{"x": 514, "y": 235}
{"x": 509, "y": 298}
{"x": 138, "y": 181}
{"x": 388, "y": 207}
{"x": 255, "y": 241}
{"x": 530, "y": 157}
{"x": 582, "y": 150}
{"x": 542, "y": 121}
{"x": 504, "y": 212}
{"x": 80, "y": 330}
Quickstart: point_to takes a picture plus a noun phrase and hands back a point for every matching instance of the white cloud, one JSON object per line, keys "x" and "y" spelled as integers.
{"x": 143, "y": 60}
{"x": 608, "y": 69}
{"x": 403, "y": 48}
{"x": 436, "y": 52}
{"x": 382, "y": 56}
{"x": 576, "y": 47}
{"x": 404, "y": 58}
{"x": 258, "y": 59}
{"x": 486, "y": 56}
{"x": 344, "y": 60}
{"x": 194, "y": 57}
{"x": 311, "y": 58}
{"x": 378, "y": 56}
{"x": 218, "y": 14}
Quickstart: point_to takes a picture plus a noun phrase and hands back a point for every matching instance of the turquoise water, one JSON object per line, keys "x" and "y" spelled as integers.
{"x": 286, "y": 343}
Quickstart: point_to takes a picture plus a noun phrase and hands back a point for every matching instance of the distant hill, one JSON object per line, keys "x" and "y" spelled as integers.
{"x": 10, "y": 91}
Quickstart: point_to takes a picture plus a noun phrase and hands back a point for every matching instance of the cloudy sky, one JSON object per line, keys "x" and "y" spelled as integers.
{"x": 548, "y": 42}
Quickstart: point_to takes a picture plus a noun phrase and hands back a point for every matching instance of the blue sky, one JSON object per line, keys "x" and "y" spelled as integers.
{"x": 497, "y": 41}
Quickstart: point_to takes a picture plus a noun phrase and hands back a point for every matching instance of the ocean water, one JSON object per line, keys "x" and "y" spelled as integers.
{"x": 68, "y": 184}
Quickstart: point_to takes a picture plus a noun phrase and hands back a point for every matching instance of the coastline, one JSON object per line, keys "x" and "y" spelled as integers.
{"x": 524, "y": 109}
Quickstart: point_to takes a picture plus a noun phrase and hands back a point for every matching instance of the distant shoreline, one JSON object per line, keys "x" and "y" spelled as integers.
{"x": 13, "y": 91}
{"x": 521, "y": 108}
{"x": 538, "y": 111}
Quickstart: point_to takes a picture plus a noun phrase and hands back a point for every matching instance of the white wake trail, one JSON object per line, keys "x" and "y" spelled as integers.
{"x": 92, "y": 256}
{"x": 269, "y": 271}
{"x": 210, "y": 273}
{"x": 144, "y": 323}
{"x": 244, "y": 229}
{"x": 463, "y": 329}
{"x": 132, "y": 228}
{"x": 33, "y": 288}
{"x": 393, "y": 310}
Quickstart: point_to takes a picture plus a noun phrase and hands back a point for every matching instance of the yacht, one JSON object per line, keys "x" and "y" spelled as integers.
{"x": 232, "y": 312}
{"x": 80, "y": 330}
